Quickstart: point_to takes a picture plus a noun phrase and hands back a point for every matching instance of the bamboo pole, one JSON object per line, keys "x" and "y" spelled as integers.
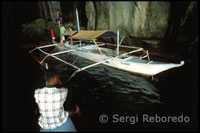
{"x": 32, "y": 50}
{"x": 63, "y": 52}
{"x": 42, "y": 47}
{"x": 77, "y": 19}
{"x": 46, "y": 56}
{"x": 59, "y": 59}
{"x": 121, "y": 40}
{"x": 83, "y": 68}
{"x": 97, "y": 47}
{"x": 89, "y": 66}
{"x": 48, "y": 45}
{"x": 121, "y": 45}
{"x": 56, "y": 54}
{"x": 117, "y": 43}
{"x": 148, "y": 55}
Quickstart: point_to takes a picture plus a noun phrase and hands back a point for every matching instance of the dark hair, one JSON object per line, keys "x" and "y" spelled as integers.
{"x": 50, "y": 75}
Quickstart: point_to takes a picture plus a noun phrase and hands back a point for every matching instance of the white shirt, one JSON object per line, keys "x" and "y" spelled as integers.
{"x": 50, "y": 101}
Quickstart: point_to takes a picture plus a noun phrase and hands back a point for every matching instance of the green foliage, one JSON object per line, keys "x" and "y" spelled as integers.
{"x": 39, "y": 30}
{"x": 34, "y": 32}
{"x": 53, "y": 25}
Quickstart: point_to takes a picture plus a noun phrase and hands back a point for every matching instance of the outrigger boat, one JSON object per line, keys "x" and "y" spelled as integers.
{"x": 128, "y": 58}
{"x": 104, "y": 53}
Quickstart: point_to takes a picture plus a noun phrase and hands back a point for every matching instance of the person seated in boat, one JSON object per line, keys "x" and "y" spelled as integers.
{"x": 62, "y": 37}
{"x": 50, "y": 100}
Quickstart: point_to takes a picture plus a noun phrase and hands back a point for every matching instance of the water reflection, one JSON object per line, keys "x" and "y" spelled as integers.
{"x": 101, "y": 86}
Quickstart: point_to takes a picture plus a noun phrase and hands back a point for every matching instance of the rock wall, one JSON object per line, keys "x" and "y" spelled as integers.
{"x": 144, "y": 20}
{"x": 152, "y": 23}
{"x": 47, "y": 9}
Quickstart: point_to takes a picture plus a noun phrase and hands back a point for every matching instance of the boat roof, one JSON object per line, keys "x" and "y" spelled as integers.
{"x": 92, "y": 34}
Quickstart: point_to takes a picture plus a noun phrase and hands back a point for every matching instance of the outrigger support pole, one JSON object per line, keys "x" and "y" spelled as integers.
{"x": 121, "y": 40}
{"x": 46, "y": 69}
{"x": 83, "y": 68}
{"x": 77, "y": 19}
{"x": 117, "y": 43}
{"x": 53, "y": 55}
{"x": 148, "y": 55}
{"x": 97, "y": 46}
{"x": 42, "y": 47}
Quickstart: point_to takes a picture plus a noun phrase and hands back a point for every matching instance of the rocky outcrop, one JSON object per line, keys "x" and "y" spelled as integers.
{"x": 91, "y": 15}
{"x": 156, "y": 24}
{"x": 144, "y": 20}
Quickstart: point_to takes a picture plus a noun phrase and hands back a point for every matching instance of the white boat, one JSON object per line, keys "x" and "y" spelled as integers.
{"x": 107, "y": 54}
{"x": 124, "y": 60}
{"x": 128, "y": 58}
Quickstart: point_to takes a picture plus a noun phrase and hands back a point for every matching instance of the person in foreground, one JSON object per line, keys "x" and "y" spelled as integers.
{"x": 50, "y": 100}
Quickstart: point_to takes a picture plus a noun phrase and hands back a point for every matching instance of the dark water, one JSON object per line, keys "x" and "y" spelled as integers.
{"x": 104, "y": 90}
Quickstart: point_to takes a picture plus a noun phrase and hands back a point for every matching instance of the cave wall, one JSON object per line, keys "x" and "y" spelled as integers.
{"x": 69, "y": 14}
{"x": 47, "y": 9}
{"x": 142, "y": 20}
{"x": 157, "y": 23}
{"x": 19, "y": 13}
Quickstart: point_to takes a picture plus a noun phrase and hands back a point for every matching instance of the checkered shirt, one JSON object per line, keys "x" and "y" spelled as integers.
{"x": 50, "y": 101}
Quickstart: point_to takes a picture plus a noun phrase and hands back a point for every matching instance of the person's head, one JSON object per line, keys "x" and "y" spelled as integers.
{"x": 57, "y": 12}
{"x": 52, "y": 78}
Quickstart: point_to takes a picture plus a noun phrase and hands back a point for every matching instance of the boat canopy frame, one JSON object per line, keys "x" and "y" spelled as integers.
{"x": 93, "y": 34}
